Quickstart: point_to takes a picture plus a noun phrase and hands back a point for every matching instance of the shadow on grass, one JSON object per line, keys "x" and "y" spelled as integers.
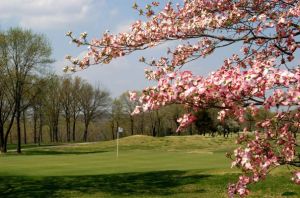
{"x": 53, "y": 152}
{"x": 151, "y": 183}
{"x": 288, "y": 193}
{"x": 31, "y": 146}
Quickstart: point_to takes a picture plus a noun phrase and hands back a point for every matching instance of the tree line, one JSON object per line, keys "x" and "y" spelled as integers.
{"x": 37, "y": 106}
{"x": 30, "y": 93}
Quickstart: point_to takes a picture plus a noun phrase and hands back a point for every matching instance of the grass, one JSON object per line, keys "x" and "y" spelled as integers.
{"x": 191, "y": 166}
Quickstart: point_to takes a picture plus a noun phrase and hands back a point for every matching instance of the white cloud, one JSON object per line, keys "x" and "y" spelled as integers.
{"x": 48, "y": 14}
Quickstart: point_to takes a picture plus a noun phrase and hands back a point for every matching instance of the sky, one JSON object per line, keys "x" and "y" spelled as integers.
{"x": 54, "y": 18}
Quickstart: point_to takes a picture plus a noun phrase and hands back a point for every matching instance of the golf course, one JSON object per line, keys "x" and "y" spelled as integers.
{"x": 186, "y": 166}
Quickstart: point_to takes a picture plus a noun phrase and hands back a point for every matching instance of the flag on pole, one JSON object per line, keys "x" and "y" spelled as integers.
{"x": 120, "y": 130}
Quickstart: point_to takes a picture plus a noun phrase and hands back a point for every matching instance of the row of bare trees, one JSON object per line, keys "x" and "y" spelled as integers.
{"x": 70, "y": 99}
{"x": 29, "y": 92}
{"x": 58, "y": 101}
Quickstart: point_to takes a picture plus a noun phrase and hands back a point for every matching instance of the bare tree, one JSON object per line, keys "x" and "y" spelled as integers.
{"x": 115, "y": 116}
{"x": 7, "y": 112}
{"x": 52, "y": 105}
{"x": 66, "y": 100}
{"x": 94, "y": 104}
{"x": 128, "y": 108}
{"x": 26, "y": 51}
{"x": 39, "y": 105}
{"x": 75, "y": 104}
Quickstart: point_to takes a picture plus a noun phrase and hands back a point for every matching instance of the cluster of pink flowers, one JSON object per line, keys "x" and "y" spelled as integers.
{"x": 296, "y": 177}
{"x": 272, "y": 145}
{"x": 240, "y": 187}
{"x": 263, "y": 74}
{"x": 185, "y": 121}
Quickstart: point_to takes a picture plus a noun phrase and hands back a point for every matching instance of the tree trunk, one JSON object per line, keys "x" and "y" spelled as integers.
{"x": 51, "y": 132}
{"x": 54, "y": 128}
{"x": 18, "y": 114}
{"x": 6, "y": 139}
{"x": 40, "y": 137}
{"x": 68, "y": 128}
{"x": 24, "y": 127}
{"x": 4, "y": 148}
{"x": 2, "y": 143}
{"x": 10, "y": 138}
{"x": 55, "y": 132}
{"x": 18, "y": 119}
{"x": 112, "y": 129}
{"x": 8, "y": 129}
{"x": 74, "y": 128}
{"x": 142, "y": 124}
{"x": 34, "y": 127}
{"x": 154, "y": 131}
{"x": 131, "y": 125}
{"x": 85, "y": 133}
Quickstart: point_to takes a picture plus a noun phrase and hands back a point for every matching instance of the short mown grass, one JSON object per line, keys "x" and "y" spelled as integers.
{"x": 189, "y": 166}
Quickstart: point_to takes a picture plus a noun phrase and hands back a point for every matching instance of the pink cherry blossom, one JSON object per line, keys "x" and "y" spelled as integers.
{"x": 263, "y": 73}
{"x": 132, "y": 95}
{"x": 296, "y": 177}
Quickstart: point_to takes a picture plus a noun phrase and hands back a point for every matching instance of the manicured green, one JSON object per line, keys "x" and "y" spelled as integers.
{"x": 191, "y": 166}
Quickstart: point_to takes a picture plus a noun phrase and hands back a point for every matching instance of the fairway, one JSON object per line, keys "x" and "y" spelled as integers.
{"x": 189, "y": 166}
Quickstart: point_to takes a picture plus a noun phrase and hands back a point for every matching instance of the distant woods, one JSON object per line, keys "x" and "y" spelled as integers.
{"x": 35, "y": 105}
{"x": 39, "y": 107}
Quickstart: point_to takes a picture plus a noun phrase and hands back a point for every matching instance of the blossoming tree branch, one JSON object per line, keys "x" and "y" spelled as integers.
{"x": 264, "y": 73}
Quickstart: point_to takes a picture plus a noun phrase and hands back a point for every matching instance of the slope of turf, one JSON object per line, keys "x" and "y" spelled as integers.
{"x": 191, "y": 166}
